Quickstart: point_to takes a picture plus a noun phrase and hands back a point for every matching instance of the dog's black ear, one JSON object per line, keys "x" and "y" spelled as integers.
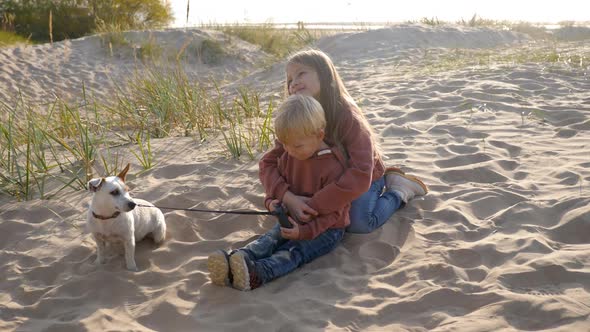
{"x": 95, "y": 184}
{"x": 123, "y": 173}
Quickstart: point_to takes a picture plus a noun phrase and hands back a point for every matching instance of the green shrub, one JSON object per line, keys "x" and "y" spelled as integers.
{"x": 210, "y": 51}
{"x": 77, "y": 18}
{"x": 132, "y": 14}
{"x": 31, "y": 19}
{"x": 9, "y": 38}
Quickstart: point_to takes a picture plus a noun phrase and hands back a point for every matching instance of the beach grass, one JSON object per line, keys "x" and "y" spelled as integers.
{"x": 272, "y": 38}
{"x": 537, "y": 31}
{"x": 45, "y": 149}
{"x": 435, "y": 61}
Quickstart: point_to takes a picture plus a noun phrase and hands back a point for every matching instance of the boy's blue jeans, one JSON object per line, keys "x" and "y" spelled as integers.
{"x": 274, "y": 256}
{"x": 373, "y": 208}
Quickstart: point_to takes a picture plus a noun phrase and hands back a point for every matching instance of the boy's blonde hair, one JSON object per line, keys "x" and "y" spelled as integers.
{"x": 299, "y": 116}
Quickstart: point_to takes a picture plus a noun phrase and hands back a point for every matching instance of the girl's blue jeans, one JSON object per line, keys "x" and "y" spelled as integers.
{"x": 274, "y": 256}
{"x": 373, "y": 208}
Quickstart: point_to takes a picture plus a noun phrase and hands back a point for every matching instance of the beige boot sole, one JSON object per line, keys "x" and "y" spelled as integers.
{"x": 240, "y": 272}
{"x": 218, "y": 267}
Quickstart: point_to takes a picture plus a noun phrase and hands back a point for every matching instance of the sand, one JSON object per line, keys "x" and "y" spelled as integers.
{"x": 501, "y": 243}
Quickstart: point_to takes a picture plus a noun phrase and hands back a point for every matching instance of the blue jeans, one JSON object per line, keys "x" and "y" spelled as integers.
{"x": 373, "y": 208}
{"x": 274, "y": 256}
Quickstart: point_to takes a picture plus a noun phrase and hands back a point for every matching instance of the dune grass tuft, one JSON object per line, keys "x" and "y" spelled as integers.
{"x": 273, "y": 39}
{"x": 45, "y": 149}
{"x": 12, "y": 39}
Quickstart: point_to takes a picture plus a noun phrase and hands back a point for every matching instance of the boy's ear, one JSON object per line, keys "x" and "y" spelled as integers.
{"x": 95, "y": 184}
{"x": 123, "y": 173}
{"x": 321, "y": 134}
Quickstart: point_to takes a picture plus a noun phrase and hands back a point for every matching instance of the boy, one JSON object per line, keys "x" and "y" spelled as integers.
{"x": 307, "y": 165}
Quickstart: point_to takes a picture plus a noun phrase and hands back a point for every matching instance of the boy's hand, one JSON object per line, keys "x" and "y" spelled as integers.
{"x": 273, "y": 205}
{"x": 298, "y": 208}
{"x": 291, "y": 233}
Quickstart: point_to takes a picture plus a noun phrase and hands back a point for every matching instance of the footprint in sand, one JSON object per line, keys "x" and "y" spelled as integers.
{"x": 378, "y": 254}
{"x": 393, "y": 238}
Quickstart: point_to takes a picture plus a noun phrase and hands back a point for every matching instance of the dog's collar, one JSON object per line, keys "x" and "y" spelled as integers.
{"x": 114, "y": 215}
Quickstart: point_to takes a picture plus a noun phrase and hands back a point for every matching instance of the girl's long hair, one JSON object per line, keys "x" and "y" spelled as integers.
{"x": 334, "y": 97}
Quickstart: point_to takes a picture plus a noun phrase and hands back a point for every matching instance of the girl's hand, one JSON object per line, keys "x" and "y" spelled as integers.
{"x": 298, "y": 208}
{"x": 291, "y": 233}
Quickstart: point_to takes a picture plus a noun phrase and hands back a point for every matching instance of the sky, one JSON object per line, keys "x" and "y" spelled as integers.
{"x": 311, "y": 11}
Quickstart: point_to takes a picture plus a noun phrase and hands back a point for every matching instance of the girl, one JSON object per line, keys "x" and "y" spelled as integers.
{"x": 312, "y": 73}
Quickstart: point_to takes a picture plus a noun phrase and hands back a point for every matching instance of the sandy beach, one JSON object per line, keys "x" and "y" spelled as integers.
{"x": 501, "y": 242}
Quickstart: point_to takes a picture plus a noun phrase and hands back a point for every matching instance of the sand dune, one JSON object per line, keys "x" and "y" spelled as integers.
{"x": 501, "y": 243}
{"x": 101, "y": 63}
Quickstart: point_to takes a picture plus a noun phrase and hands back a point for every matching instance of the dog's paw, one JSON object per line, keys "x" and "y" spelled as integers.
{"x": 132, "y": 268}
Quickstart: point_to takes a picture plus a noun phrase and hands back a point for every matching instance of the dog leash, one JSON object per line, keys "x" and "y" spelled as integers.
{"x": 279, "y": 212}
{"x": 251, "y": 212}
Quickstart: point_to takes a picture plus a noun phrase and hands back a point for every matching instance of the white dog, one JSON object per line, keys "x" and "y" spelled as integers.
{"x": 113, "y": 217}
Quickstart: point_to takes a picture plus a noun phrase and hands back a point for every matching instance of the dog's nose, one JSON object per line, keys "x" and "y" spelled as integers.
{"x": 131, "y": 205}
